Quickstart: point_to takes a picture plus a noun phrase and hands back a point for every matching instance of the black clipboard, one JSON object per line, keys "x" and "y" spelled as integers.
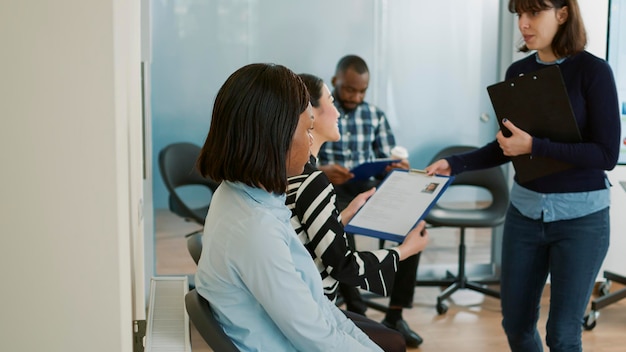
{"x": 537, "y": 103}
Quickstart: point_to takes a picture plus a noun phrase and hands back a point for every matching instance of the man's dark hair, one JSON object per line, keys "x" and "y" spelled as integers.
{"x": 255, "y": 116}
{"x": 352, "y": 61}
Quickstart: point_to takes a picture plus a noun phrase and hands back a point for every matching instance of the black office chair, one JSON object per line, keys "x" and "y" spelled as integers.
{"x": 606, "y": 297}
{"x": 201, "y": 316}
{"x": 492, "y": 180}
{"x": 177, "y": 165}
{"x": 194, "y": 245}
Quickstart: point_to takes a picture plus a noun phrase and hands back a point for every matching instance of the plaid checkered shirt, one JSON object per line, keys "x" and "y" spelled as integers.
{"x": 365, "y": 136}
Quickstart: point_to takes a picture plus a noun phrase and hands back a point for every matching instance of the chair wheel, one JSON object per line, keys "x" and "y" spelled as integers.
{"x": 589, "y": 321}
{"x": 604, "y": 288}
{"x": 442, "y": 308}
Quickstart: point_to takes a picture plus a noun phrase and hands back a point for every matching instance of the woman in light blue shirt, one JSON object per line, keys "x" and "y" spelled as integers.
{"x": 257, "y": 275}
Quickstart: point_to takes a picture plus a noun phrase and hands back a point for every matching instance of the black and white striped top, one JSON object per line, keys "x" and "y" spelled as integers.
{"x": 314, "y": 216}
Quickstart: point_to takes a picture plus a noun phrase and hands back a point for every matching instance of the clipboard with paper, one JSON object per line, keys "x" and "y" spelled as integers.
{"x": 371, "y": 168}
{"x": 400, "y": 202}
{"x": 537, "y": 103}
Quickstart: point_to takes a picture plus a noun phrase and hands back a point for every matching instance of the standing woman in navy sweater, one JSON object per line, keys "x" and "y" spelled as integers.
{"x": 557, "y": 224}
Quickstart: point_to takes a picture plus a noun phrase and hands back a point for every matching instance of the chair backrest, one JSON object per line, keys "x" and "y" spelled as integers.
{"x": 491, "y": 179}
{"x": 177, "y": 165}
{"x": 194, "y": 245}
{"x": 201, "y": 316}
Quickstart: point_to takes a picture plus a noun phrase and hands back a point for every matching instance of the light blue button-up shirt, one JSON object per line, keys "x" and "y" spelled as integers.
{"x": 558, "y": 206}
{"x": 261, "y": 281}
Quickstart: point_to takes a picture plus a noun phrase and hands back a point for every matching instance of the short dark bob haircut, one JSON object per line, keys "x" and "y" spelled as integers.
{"x": 571, "y": 37}
{"x": 314, "y": 85}
{"x": 254, "y": 119}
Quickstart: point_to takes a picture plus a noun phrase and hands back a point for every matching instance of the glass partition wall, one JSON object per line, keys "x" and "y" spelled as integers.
{"x": 617, "y": 60}
{"x": 430, "y": 64}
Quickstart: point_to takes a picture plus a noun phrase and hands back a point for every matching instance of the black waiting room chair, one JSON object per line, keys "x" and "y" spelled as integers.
{"x": 177, "y": 165}
{"x": 201, "y": 315}
{"x": 489, "y": 216}
{"x": 194, "y": 245}
{"x": 606, "y": 297}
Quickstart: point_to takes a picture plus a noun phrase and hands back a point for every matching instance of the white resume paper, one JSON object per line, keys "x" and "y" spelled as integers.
{"x": 401, "y": 201}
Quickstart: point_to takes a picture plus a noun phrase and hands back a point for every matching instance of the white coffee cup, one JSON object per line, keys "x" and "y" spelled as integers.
{"x": 399, "y": 152}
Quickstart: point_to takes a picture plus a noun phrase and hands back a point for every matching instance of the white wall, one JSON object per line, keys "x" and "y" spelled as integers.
{"x": 430, "y": 62}
{"x": 149, "y": 262}
{"x": 69, "y": 148}
{"x": 595, "y": 15}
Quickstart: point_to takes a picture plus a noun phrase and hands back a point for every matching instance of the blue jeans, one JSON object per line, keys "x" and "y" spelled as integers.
{"x": 571, "y": 251}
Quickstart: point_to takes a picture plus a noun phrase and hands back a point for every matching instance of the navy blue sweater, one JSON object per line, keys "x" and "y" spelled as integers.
{"x": 591, "y": 89}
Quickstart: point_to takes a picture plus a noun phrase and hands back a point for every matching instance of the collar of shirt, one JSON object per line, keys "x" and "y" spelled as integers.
{"x": 555, "y": 62}
{"x": 264, "y": 198}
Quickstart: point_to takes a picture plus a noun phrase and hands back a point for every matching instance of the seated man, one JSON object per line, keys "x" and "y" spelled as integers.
{"x": 365, "y": 136}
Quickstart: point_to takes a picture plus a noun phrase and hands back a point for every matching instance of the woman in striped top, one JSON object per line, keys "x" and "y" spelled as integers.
{"x": 319, "y": 225}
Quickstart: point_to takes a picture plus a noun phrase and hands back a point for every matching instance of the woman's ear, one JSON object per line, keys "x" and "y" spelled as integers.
{"x": 562, "y": 14}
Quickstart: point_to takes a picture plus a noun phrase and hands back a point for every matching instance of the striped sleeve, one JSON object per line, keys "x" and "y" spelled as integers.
{"x": 311, "y": 198}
